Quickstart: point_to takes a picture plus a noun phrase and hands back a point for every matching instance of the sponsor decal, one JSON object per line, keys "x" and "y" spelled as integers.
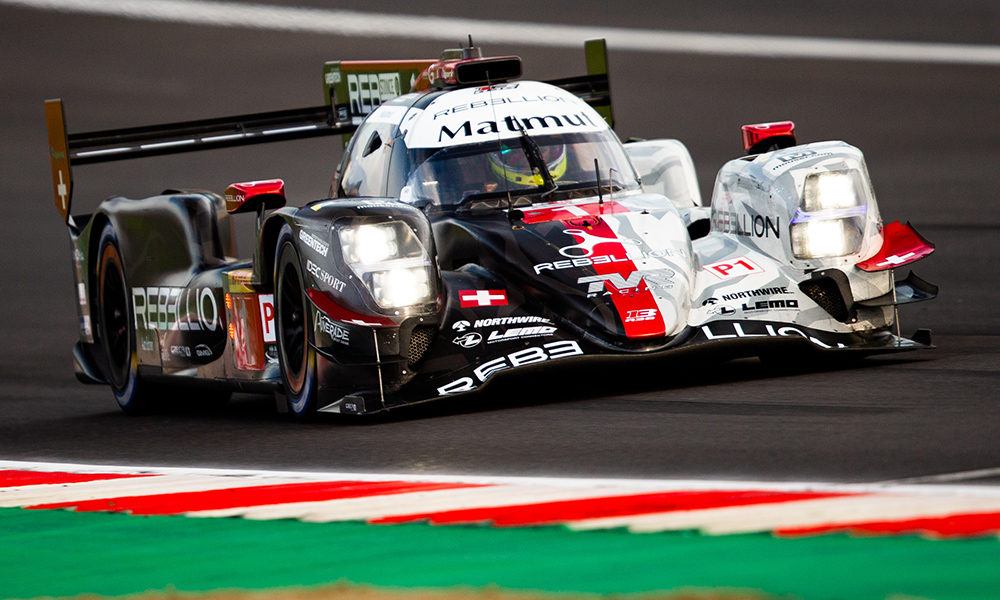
{"x": 324, "y": 277}
{"x": 519, "y": 333}
{"x": 180, "y": 351}
{"x": 175, "y": 308}
{"x": 376, "y": 204}
{"x": 202, "y": 351}
{"x": 460, "y": 326}
{"x": 587, "y": 243}
{"x": 314, "y": 242}
{"x": 495, "y": 101}
{"x": 721, "y": 331}
{"x": 367, "y": 91}
{"x": 717, "y": 309}
{"x": 733, "y": 268}
{"x": 266, "y": 304}
{"x": 527, "y": 356}
{"x": 469, "y": 340}
{"x": 468, "y": 298}
{"x": 497, "y": 321}
{"x": 785, "y": 161}
{"x": 769, "y": 305}
{"x": 636, "y": 281}
{"x": 513, "y": 124}
{"x": 589, "y": 261}
{"x": 642, "y": 314}
{"x": 336, "y": 332}
{"x": 147, "y": 345}
{"x": 769, "y": 291}
{"x": 745, "y": 224}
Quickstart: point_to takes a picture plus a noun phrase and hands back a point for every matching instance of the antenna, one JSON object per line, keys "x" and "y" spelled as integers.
{"x": 597, "y": 172}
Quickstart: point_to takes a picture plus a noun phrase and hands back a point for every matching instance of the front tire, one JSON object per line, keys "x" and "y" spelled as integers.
{"x": 296, "y": 356}
{"x": 115, "y": 329}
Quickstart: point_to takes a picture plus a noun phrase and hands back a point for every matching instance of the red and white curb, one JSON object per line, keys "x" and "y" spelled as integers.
{"x": 712, "y": 507}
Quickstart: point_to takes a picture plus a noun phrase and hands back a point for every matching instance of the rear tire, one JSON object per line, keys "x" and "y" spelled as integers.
{"x": 115, "y": 328}
{"x": 296, "y": 356}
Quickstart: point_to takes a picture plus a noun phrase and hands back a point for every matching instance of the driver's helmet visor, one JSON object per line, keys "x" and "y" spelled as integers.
{"x": 514, "y": 166}
{"x": 448, "y": 176}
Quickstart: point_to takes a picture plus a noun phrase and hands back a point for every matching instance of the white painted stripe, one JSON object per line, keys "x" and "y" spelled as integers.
{"x": 100, "y": 152}
{"x": 413, "y": 503}
{"x": 290, "y": 129}
{"x": 167, "y": 144}
{"x": 795, "y": 514}
{"x": 956, "y": 476}
{"x": 220, "y": 138}
{"x": 449, "y": 29}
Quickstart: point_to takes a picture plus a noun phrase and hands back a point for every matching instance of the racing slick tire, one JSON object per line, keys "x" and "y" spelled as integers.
{"x": 296, "y": 356}
{"x": 114, "y": 327}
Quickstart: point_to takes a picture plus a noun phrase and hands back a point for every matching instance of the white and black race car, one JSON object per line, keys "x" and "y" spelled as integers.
{"x": 477, "y": 224}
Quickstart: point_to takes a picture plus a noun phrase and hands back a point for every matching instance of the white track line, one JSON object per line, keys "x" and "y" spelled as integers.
{"x": 454, "y": 29}
{"x": 956, "y": 476}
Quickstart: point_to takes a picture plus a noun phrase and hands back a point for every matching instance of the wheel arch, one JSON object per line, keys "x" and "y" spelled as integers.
{"x": 268, "y": 245}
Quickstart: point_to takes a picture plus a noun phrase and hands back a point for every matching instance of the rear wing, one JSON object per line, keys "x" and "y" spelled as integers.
{"x": 352, "y": 89}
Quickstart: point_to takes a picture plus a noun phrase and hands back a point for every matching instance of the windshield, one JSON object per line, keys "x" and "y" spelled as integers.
{"x": 451, "y": 176}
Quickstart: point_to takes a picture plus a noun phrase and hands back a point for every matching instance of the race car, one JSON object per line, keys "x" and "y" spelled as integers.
{"x": 478, "y": 224}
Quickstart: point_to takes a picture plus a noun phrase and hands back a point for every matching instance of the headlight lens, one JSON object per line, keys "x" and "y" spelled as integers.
{"x": 826, "y": 238}
{"x": 402, "y": 286}
{"x": 391, "y": 262}
{"x": 830, "y": 190}
{"x": 830, "y": 218}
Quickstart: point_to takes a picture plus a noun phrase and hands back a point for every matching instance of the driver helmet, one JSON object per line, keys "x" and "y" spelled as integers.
{"x": 512, "y": 165}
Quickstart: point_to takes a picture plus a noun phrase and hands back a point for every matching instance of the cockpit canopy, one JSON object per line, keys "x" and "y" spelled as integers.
{"x": 531, "y": 140}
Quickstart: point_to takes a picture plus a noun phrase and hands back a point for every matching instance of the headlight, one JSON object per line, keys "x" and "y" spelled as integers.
{"x": 830, "y": 218}
{"x": 826, "y": 238}
{"x": 831, "y": 190}
{"x": 401, "y": 286}
{"x": 391, "y": 262}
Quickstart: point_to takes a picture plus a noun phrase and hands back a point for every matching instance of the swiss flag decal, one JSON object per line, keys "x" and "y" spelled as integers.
{"x": 482, "y": 298}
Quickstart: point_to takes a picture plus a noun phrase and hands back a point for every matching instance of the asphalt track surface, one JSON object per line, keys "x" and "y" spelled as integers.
{"x": 931, "y": 134}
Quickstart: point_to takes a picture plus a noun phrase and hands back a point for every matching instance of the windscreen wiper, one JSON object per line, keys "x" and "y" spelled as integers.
{"x": 537, "y": 163}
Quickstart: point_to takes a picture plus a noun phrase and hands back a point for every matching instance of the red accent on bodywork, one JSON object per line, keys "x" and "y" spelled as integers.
{"x": 18, "y": 478}
{"x": 965, "y": 525}
{"x": 270, "y": 192}
{"x": 901, "y": 245}
{"x": 608, "y": 506}
{"x": 181, "y": 502}
{"x": 562, "y": 212}
{"x": 248, "y": 341}
{"x": 339, "y": 313}
{"x": 754, "y": 134}
{"x": 627, "y": 301}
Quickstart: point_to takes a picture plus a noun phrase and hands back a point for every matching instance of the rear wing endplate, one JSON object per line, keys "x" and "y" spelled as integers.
{"x": 353, "y": 89}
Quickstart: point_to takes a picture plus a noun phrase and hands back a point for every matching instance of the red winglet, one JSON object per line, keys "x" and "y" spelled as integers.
{"x": 901, "y": 244}
{"x": 270, "y": 192}
{"x": 753, "y": 135}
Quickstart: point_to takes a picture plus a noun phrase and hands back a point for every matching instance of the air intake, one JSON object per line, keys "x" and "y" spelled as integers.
{"x": 420, "y": 342}
{"x": 831, "y": 290}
